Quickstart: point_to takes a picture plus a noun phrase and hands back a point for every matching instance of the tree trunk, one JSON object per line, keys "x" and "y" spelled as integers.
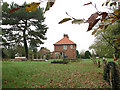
{"x": 25, "y": 44}
{"x": 25, "y": 41}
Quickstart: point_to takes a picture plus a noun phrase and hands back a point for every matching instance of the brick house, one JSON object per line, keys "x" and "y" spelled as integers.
{"x": 43, "y": 53}
{"x": 64, "y": 48}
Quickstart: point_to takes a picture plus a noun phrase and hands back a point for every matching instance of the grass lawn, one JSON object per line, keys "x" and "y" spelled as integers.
{"x": 35, "y": 74}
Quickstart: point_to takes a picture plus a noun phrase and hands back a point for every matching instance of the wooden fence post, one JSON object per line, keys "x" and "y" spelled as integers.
{"x": 98, "y": 62}
{"x": 104, "y": 62}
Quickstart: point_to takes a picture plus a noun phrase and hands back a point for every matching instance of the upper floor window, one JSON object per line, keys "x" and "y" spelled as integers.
{"x": 65, "y": 47}
{"x": 71, "y": 46}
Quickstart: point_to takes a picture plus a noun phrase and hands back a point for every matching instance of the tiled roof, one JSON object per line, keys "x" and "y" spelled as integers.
{"x": 46, "y": 50}
{"x": 64, "y": 40}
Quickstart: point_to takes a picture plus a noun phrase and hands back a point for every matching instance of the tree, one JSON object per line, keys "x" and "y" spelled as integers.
{"x": 104, "y": 44}
{"x": 82, "y": 54}
{"x": 8, "y": 53}
{"x": 87, "y": 54}
{"x": 77, "y": 54}
{"x": 23, "y": 27}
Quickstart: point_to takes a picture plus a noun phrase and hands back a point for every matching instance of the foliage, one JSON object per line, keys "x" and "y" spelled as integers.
{"x": 87, "y": 54}
{"x": 33, "y": 6}
{"x": 19, "y": 29}
{"x": 82, "y": 54}
{"x": 77, "y": 54}
{"x": 94, "y": 18}
{"x": 50, "y": 3}
{"x": 104, "y": 44}
{"x": 8, "y": 53}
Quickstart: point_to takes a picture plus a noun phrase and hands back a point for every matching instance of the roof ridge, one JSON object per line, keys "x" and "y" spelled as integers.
{"x": 64, "y": 40}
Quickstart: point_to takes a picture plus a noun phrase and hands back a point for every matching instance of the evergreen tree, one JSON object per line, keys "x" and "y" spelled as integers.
{"x": 22, "y": 27}
{"x": 87, "y": 54}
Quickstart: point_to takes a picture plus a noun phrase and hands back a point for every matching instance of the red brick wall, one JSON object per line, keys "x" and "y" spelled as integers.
{"x": 70, "y": 53}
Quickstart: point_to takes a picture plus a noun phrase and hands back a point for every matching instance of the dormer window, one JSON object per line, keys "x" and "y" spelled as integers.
{"x": 64, "y": 47}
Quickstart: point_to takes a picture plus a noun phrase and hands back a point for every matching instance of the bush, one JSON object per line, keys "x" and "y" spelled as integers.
{"x": 71, "y": 60}
{"x": 60, "y": 62}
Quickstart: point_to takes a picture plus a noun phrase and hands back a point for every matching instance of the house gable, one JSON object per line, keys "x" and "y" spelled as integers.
{"x": 67, "y": 46}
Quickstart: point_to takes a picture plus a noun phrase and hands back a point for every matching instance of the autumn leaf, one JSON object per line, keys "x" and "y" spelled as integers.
{"x": 77, "y": 21}
{"x": 107, "y": 2}
{"x": 88, "y": 3}
{"x": 15, "y": 9}
{"x": 104, "y": 14}
{"x": 64, "y": 20}
{"x": 103, "y": 4}
{"x": 50, "y": 3}
{"x": 117, "y": 11}
{"x": 91, "y": 25}
{"x": 100, "y": 26}
{"x": 92, "y": 20}
{"x": 118, "y": 47}
{"x": 32, "y": 6}
{"x": 117, "y": 40}
{"x": 93, "y": 17}
{"x": 113, "y": 20}
{"x": 105, "y": 27}
{"x": 114, "y": 3}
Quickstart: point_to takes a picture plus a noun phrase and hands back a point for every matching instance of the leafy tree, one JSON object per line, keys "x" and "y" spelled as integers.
{"x": 8, "y": 53}
{"x": 82, "y": 54}
{"x": 87, "y": 54}
{"x": 23, "y": 27}
{"x": 104, "y": 44}
{"x": 77, "y": 54}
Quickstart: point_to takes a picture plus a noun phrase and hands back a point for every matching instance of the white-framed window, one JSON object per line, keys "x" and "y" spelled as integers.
{"x": 71, "y": 46}
{"x": 65, "y": 47}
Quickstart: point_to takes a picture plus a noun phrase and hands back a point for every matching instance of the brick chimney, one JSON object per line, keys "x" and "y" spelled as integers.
{"x": 66, "y": 35}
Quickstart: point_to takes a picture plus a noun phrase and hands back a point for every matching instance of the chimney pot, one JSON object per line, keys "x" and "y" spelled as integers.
{"x": 66, "y": 35}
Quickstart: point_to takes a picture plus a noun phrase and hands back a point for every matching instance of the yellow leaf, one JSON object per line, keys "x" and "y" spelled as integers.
{"x": 32, "y": 7}
{"x": 94, "y": 32}
{"x": 64, "y": 20}
{"x": 103, "y": 4}
{"x": 118, "y": 47}
{"x": 117, "y": 11}
{"x": 77, "y": 21}
{"x": 50, "y": 3}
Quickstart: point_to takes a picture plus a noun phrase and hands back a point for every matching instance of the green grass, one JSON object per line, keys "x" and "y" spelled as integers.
{"x": 35, "y": 74}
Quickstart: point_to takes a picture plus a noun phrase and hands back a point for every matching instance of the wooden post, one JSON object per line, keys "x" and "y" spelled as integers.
{"x": 104, "y": 62}
{"x": 98, "y": 62}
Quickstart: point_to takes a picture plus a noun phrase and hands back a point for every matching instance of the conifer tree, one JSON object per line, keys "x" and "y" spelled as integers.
{"x": 22, "y": 27}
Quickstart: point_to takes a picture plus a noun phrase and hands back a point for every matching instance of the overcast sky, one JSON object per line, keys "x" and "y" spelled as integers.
{"x": 76, "y": 33}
